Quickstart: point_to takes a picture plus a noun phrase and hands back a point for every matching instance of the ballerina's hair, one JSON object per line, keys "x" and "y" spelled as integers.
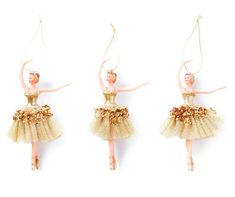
{"x": 192, "y": 76}
{"x": 36, "y": 75}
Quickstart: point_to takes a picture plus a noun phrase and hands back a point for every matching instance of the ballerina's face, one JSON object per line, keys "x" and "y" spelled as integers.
{"x": 188, "y": 78}
{"x": 111, "y": 77}
{"x": 33, "y": 78}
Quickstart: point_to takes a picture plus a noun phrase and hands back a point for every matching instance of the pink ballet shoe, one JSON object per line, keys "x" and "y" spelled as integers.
{"x": 190, "y": 164}
{"x": 112, "y": 163}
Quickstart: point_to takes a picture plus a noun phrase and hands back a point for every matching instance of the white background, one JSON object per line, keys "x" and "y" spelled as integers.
{"x": 150, "y": 36}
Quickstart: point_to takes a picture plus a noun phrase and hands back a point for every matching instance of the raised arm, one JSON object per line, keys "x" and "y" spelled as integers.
{"x": 131, "y": 89}
{"x": 22, "y": 74}
{"x": 100, "y": 74}
{"x": 47, "y": 90}
{"x": 209, "y": 92}
{"x": 179, "y": 73}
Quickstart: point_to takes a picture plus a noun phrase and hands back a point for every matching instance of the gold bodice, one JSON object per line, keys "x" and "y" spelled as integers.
{"x": 188, "y": 98}
{"x": 31, "y": 98}
{"x": 110, "y": 97}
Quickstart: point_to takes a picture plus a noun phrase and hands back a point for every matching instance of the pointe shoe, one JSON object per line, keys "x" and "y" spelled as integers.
{"x": 35, "y": 162}
{"x": 112, "y": 163}
{"x": 190, "y": 164}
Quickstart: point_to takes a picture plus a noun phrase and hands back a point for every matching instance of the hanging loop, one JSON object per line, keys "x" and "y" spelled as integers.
{"x": 112, "y": 41}
{"x": 197, "y": 25}
{"x": 39, "y": 28}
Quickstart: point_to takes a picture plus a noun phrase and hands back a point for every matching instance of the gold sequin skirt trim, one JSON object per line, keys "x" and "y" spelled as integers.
{"x": 191, "y": 123}
{"x": 33, "y": 115}
{"x": 112, "y": 123}
{"x": 34, "y": 125}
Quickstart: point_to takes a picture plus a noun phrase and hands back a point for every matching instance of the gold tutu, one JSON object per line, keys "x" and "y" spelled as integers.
{"x": 112, "y": 121}
{"x": 191, "y": 122}
{"x": 34, "y": 123}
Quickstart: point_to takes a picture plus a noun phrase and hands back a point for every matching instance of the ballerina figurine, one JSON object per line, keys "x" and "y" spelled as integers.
{"x": 112, "y": 120}
{"x": 34, "y": 123}
{"x": 190, "y": 121}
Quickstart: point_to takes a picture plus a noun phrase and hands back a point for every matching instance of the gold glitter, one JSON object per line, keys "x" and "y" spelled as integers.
{"x": 115, "y": 115}
{"x": 187, "y": 113}
{"x": 34, "y": 116}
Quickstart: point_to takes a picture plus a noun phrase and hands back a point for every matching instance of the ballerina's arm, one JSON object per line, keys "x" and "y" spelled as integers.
{"x": 45, "y": 90}
{"x": 100, "y": 74}
{"x": 100, "y": 77}
{"x": 209, "y": 92}
{"x": 131, "y": 89}
{"x": 22, "y": 74}
{"x": 179, "y": 73}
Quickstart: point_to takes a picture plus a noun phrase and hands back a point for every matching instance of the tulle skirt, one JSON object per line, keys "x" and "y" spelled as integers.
{"x": 191, "y": 122}
{"x": 34, "y": 124}
{"x": 112, "y": 122}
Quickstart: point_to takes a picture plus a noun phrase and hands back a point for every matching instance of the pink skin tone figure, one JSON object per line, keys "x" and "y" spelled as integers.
{"x": 189, "y": 80}
{"x": 33, "y": 81}
{"x": 111, "y": 79}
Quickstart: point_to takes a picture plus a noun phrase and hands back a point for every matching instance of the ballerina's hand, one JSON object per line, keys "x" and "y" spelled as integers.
{"x": 199, "y": 17}
{"x": 28, "y": 61}
{"x": 106, "y": 60}
{"x": 222, "y": 88}
{"x": 187, "y": 61}
{"x": 114, "y": 30}
{"x": 144, "y": 84}
{"x": 68, "y": 84}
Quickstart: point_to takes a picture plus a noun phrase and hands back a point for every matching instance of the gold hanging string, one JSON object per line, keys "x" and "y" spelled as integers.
{"x": 109, "y": 45}
{"x": 197, "y": 25}
{"x": 39, "y": 28}
{"x": 43, "y": 41}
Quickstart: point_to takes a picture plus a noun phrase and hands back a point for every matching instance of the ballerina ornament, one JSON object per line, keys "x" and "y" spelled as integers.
{"x": 112, "y": 120}
{"x": 34, "y": 123}
{"x": 189, "y": 121}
